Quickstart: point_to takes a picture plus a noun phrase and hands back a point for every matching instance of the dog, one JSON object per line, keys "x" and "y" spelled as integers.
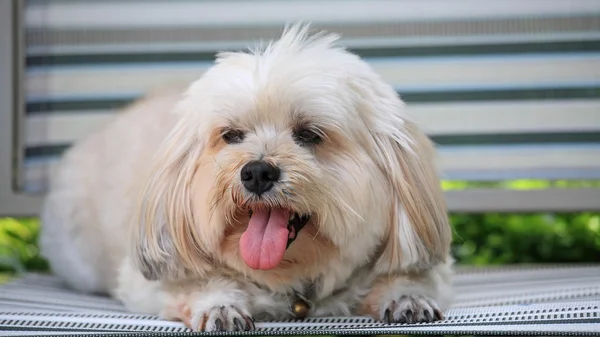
{"x": 286, "y": 182}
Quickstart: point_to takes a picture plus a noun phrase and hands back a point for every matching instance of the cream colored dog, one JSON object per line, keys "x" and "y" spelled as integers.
{"x": 283, "y": 183}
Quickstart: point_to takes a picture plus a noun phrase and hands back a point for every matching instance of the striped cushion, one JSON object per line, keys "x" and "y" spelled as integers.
{"x": 509, "y": 300}
{"x": 509, "y": 89}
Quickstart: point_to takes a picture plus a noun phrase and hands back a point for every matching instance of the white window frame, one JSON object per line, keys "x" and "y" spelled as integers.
{"x": 12, "y": 202}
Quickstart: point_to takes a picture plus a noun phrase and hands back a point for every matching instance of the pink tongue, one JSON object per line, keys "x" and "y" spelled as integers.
{"x": 263, "y": 243}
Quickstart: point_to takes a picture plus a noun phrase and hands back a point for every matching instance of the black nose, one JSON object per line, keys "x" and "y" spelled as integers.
{"x": 259, "y": 176}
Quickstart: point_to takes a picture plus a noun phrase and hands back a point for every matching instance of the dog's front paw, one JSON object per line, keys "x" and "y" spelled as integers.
{"x": 221, "y": 318}
{"x": 411, "y": 309}
{"x": 217, "y": 305}
{"x": 212, "y": 318}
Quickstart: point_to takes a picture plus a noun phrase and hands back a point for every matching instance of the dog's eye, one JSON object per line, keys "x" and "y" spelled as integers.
{"x": 233, "y": 136}
{"x": 307, "y": 137}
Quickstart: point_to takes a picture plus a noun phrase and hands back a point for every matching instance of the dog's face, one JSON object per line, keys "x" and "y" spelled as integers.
{"x": 281, "y": 164}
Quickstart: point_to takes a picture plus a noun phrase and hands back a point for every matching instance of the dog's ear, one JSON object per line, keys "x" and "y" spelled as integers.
{"x": 165, "y": 243}
{"x": 419, "y": 231}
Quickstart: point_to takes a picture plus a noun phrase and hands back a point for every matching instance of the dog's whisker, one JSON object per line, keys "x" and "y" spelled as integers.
{"x": 218, "y": 164}
{"x": 317, "y": 232}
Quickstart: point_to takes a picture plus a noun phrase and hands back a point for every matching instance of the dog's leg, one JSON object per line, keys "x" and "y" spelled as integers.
{"x": 411, "y": 297}
{"x": 137, "y": 294}
{"x": 213, "y": 304}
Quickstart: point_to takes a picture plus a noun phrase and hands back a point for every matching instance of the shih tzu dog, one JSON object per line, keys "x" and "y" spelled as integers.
{"x": 285, "y": 182}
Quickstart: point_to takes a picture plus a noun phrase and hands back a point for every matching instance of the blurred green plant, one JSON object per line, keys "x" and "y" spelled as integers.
{"x": 479, "y": 239}
{"x": 519, "y": 184}
{"x": 494, "y": 238}
{"x": 19, "y": 250}
{"x": 502, "y": 238}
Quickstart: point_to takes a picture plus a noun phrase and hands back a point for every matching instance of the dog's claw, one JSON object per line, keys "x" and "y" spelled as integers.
{"x": 387, "y": 316}
{"x": 409, "y": 316}
{"x": 238, "y": 324}
{"x": 249, "y": 323}
{"x": 427, "y": 315}
{"x": 218, "y": 324}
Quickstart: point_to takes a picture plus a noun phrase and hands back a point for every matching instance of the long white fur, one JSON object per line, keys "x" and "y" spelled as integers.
{"x": 139, "y": 209}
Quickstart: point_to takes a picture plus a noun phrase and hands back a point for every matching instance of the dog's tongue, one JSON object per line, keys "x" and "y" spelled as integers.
{"x": 264, "y": 242}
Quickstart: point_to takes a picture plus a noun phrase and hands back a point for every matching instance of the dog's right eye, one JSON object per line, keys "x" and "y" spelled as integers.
{"x": 233, "y": 136}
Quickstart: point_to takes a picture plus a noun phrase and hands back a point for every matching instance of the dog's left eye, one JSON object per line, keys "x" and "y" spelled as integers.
{"x": 307, "y": 137}
{"x": 233, "y": 136}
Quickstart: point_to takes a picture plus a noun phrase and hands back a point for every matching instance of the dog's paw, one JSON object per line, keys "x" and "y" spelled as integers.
{"x": 219, "y": 305}
{"x": 221, "y": 318}
{"x": 411, "y": 309}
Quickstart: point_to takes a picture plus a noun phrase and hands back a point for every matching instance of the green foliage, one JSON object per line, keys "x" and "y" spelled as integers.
{"x": 18, "y": 245}
{"x": 492, "y": 238}
{"x": 484, "y": 239}
{"x": 519, "y": 184}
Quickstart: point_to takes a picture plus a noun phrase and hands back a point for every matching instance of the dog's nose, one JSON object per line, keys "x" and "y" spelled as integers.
{"x": 259, "y": 176}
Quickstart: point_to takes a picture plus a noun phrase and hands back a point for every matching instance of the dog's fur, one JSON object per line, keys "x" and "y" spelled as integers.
{"x": 150, "y": 208}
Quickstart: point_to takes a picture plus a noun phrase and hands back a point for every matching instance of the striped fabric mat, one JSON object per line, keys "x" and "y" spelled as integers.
{"x": 559, "y": 300}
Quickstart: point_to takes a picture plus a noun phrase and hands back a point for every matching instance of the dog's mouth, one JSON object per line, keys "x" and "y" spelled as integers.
{"x": 295, "y": 223}
{"x": 269, "y": 233}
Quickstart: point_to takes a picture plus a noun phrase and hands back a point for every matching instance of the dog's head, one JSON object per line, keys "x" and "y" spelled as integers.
{"x": 286, "y": 159}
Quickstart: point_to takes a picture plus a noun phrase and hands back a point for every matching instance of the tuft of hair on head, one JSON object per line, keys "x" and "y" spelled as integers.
{"x": 297, "y": 37}
{"x": 296, "y": 40}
